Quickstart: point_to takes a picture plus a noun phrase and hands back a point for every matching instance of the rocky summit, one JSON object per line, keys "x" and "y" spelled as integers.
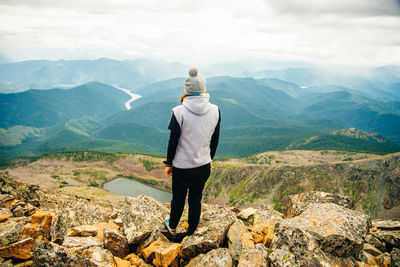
{"x": 52, "y": 227}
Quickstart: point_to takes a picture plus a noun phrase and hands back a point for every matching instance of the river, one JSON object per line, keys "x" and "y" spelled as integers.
{"x": 132, "y": 188}
{"x": 133, "y": 97}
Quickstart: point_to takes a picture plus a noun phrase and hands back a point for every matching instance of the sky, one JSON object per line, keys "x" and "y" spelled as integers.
{"x": 340, "y": 32}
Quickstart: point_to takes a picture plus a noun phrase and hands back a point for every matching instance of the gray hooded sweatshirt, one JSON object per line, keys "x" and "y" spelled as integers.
{"x": 197, "y": 119}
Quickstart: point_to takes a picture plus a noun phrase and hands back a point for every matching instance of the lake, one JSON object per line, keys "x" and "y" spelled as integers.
{"x": 132, "y": 188}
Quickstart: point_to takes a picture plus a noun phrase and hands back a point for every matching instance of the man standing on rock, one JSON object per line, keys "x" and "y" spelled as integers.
{"x": 192, "y": 145}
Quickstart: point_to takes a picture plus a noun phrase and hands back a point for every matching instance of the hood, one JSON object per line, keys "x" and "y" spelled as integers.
{"x": 198, "y": 105}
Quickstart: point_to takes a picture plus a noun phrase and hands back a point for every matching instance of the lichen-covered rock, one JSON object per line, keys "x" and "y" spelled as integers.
{"x": 80, "y": 243}
{"x": 48, "y": 254}
{"x": 211, "y": 232}
{"x": 102, "y": 225}
{"x": 395, "y": 255}
{"x": 77, "y": 213}
{"x": 254, "y": 257}
{"x": 142, "y": 215}
{"x": 216, "y": 257}
{"x": 19, "y": 250}
{"x": 372, "y": 250}
{"x": 121, "y": 263}
{"x": 161, "y": 253}
{"x": 7, "y": 200}
{"x": 10, "y": 232}
{"x": 98, "y": 256}
{"x": 384, "y": 259}
{"x": 245, "y": 214}
{"x": 116, "y": 243}
{"x": 390, "y": 238}
{"x": 83, "y": 230}
{"x": 239, "y": 239}
{"x": 295, "y": 204}
{"x": 155, "y": 236}
{"x": 6, "y": 211}
{"x": 39, "y": 225}
{"x": 136, "y": 261}
{"x": 368, "y": 259}
{"x": 389, "y": 225}
{"x": 319, "y": 235}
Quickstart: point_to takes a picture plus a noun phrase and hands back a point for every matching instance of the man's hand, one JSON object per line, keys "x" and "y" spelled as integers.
{"x": 168, "y": 171}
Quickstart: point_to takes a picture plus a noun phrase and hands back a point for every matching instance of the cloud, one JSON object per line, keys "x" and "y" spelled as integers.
{"x": 334, "y": 32}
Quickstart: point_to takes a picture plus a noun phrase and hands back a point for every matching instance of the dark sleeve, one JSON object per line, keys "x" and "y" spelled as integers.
{"x": 173, "y": 140}
{"x": 215, "y": 138}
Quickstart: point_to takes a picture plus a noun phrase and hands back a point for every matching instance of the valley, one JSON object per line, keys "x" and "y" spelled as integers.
{"x": 264, "y": 179}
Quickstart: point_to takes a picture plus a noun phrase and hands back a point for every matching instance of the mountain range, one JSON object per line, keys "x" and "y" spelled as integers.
{"x": 269, "y": 113}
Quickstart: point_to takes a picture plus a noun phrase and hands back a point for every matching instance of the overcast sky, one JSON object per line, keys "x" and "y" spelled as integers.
{"x": 351, "y": 32}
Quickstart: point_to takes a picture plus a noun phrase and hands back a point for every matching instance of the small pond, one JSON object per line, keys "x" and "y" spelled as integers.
{"x": 132, "y": 188}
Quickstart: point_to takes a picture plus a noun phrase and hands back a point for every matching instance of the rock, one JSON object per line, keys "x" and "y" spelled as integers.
{"x": 384, "y": 259}
{"x": 246, "y": 213}
{"x": 28, "y": 209}
{"x": 4, "y": 217}
{"x": 83, "y": 230}
{"x": 155, "y": 236}
{"x": 395, "y": 255}
{"x": 18, "y": 211}
{"x": 118, "y": 221}
{"x": 8, "y": 263}
{"x": 39, "y": 225}
{"x": 295, "y": 204}
{"x": 135, "y": 260}
{"x": 80, "y": 212}
{"x": 20, "y": 250}
{"x": 98, "y": 256}
{"x": 10, "y": 232}
{"x": 116, "y": 243}
{"x": 372, "y": 240}
{"x": 390, "y": 238}
{"x": 369, "y": 259}
{"x": 6, "y": 211}
{"x": 102, "y": 225}
{"x": 122, "y": 263}
{"x": 46, "y": 253}
{"x": 216, "y": 257}
{"x": 386, "y": 225}
{"x": 140, "y": 216}
{"x": 161, "y": 253}
{"x": 319, "y": 235}
{"x": 80, "y": 243}
{"x": 239, "y": 239}
{"x": 254, "y": 257}
{"x": 211, "y": 232}
{"x": 7, "y": 200}
{"x": 25, "y": 264}
{"x": 372, "y": 250}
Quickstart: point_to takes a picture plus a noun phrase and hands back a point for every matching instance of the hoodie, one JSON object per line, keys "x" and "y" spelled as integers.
{"x": 195, "y": 123}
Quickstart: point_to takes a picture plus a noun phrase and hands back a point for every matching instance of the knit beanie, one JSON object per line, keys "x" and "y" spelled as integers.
{"x": 195, "y": 84}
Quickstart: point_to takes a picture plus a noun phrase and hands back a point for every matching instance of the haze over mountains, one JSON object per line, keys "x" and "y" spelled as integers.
{"x": 267, "y": 110}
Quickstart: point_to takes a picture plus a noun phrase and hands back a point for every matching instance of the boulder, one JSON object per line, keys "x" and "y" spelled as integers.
{"x": 161, "y": 253}
{"x": 239, "y": 239}
{"x": 390, "y": 238}
{"x": 102, "y": 225}
{"x": 135, "y": 260}
{"x": 295, "y": 204}
{"x": 155, "y": 236}
{"x": 116, "y": 243}
{"x": 10, "y": 232}
{"x": 98, "y": 256}
{"x": 211, "y": 232}
{"x": 254, "y": 257}
{"x": 395, "y": 255}
{"x": 39, "y": 225}
{"x": 83, "y": 230}
{"x": 141, "y": 215}
{"x": 389, "y": 225}
{"x": 216, "y": 257}
{"x": 121, "y": 263}
{"x": 79, "y": 212}
{"x": 81, "y": 243}
{"x": 323, "y": 234}
{"x": 20, "y": 250}
{"x": 48, "y": 254}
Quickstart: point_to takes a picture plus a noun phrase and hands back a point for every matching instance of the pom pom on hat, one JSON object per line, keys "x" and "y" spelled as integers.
{"x": 193, "y": 72}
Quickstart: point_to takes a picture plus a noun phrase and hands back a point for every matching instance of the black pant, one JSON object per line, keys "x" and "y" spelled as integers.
{"x": 182, "y": 180}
